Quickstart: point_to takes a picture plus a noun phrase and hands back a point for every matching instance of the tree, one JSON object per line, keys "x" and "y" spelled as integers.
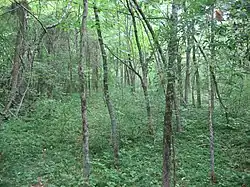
{"x": 211, "y": 96}
{"x": 169, "y": 92}
{"x": 109, "y": 104}
{"x": 16, "y": 80}
{"x": 144, "y": 68}
{"x": 83, "y": 92}
{"x": 172, "y": 51}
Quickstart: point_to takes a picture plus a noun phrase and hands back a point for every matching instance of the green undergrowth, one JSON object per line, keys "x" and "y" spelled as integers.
{"x": 47, "y": 144}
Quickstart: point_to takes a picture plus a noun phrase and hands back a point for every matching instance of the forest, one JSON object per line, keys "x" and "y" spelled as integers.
{"x": 125, "y": 93}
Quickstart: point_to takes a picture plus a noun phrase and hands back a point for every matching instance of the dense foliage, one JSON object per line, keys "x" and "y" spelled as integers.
{"x": 41, "y": 121}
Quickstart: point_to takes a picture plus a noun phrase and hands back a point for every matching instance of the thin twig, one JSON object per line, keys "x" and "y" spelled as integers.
{"x": 123, "y": 62}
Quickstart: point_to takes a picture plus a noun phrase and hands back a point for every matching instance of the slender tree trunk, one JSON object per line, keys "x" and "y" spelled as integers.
{"x": 197, "y": 78}
{"x": 187, "y": 78}
{"x": 211, "y": 131}
{"x": 19, "y": 53}
{"x": 70, "y": 70}
{"x": 193, "y": 90}
{"x": 83, "y": 92}
{"x": 126, "y": 76}
{"x": 122, "y": 77}
{"x": 114, "y": 132}
{"x": 132, "y": 75}
{"x": 172, "y": 51}
{"x": 211, "y": 97}
{"x": 51, "y": 48}
{"x": 88, "y": 64}
{"x": 169, "y": 93}
{"x": 95, "y": 72}
{"x": 174, "y": 162}
{"x": 118, "y": 48}
{"x": 144, "y": 67}
{"x": 179, "y": 78}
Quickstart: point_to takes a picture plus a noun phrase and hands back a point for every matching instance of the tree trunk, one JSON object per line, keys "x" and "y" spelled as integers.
{"x": 51, "y": 48}
{"x": 95, "y": 64}
{"x": 193, "y": 90}
{"x": 89, "y": 68}
{"x": 117, "y": 64}
{"x": 132, "y": 75}
{"x": 83, "y": 92}
{"x": 172, "y": 51}
{"x": 19, "y": 53}
{"x": 179, "y": 78}
{"x": 144, "y": 68}
{"x": 70, "y": 70}
{"x": 170, "y": 88}
{"x": 211, "y": 97}
{"x": 111, "y": 111}
{"x": 197, "y": 78}
{"x": 187, "y": 78}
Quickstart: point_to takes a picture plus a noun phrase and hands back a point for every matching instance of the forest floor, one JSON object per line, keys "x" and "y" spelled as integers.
{"x": 46, "y": 143}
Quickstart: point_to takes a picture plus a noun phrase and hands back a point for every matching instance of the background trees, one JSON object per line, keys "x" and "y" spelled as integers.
{"x": 163, "y": 58}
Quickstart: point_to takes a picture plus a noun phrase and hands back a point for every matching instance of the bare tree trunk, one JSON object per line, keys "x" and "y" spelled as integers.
{"x": 118, "y": 48}
{"x": 83, "y": 92}
{"x": 197, "y": 78}
{"x": 51, "y": 48}
{"x": 174, "y": 162}
{"x": 193, "y": 90}
{"x": 95, "y": 64}
{"x": 70, "y": 70}
{"x": 172, "y": 51}
{"x": 132, "y": 75}
{"x": 144, "y": 67}
{"x": 89, "y": 68}
{"x": 19, "y": 53}
{"x": 187, "y": 78}
{"x": 169, "y": 93}
{"x": 114, "y": 132}
{"x": 211, "y": 97}
{"x": 179, "y": 78}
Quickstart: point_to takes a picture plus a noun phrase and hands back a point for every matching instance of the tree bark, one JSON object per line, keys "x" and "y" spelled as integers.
{"x": 187, "y": 78}
{"x": 95, "y": 65}
{"x": 70, "y": 70}
{"x": 144, "y": 68}
{"x": 172, "y": 51}
{"x": 211, "y": 97}
{"x": 169, "y": 93}
{"x": 179, "y": 78}
{"x": 83, "y": 93}
{"x": 111, "y": 111}
{"x": 18, "y": 55}
{"x": 197, "y": 78}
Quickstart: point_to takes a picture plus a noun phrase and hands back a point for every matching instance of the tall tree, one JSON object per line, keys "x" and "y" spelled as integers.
{"x": 188, "y": 52}
{"x": 196, "y": 75}
{"x": 21, "y": 13}
{"x": 211, "y": 94}
{"x": 144, "y": 68}
{"x": 169, "y": 93}
{"x": 83, "y": 92}
{"x": 109, "y": 104}
{"x": 70, "y": 68}
{"x": 172, "y": 51}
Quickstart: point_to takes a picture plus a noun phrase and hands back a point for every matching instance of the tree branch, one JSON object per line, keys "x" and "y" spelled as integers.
{"x": 25, "y": 8}
{"x": 123, "y": 62}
